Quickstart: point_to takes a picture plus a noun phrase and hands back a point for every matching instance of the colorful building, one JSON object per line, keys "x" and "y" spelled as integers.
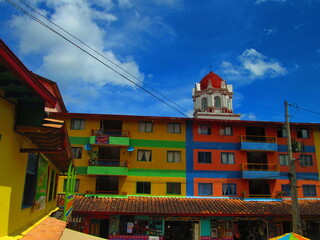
{"x": 34, "y": 149}
{"x": 238, "y": 169}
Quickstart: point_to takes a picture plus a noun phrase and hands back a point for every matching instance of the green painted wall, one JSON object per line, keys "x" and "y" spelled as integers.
{"x": 156, "y": 173}
{"x": 79, "y": 140}
{"x": 101, "y": 170}
{"x": 157, "y": 143}
{"x": 81, "y": 170}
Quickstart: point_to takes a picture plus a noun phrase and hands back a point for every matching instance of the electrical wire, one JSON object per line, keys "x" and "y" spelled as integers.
{"x": 304, "y": 109}
{"x": 136, "y": 78}
{"x": 91, "y": 55}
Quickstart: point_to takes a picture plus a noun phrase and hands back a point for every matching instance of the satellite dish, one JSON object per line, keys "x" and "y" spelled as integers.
{"x": 88, "y": 147}
{"x": 130, "y": 149}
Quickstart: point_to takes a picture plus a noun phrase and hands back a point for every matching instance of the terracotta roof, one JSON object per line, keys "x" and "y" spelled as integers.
{"x": 191, "y": 206}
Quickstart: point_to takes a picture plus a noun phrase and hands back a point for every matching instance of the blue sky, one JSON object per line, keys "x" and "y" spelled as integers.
{"x": 268, "y": 49}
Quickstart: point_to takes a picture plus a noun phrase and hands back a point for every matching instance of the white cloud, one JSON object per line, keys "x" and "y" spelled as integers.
{"x": 260, "y": 66}
{"x": 248, "y": 116}
{"x": 269, "y": 31}
{"x": 252, "y": 65}
{"x": 61, "y": 60}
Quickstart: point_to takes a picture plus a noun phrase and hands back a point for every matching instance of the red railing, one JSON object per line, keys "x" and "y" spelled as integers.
{"x": 259, "y": 167}
{"x": 110, "y": 133}
{"x": 60, "y": 200}
{"x": 108, "y": 163}
{"x": 253, "y": 138}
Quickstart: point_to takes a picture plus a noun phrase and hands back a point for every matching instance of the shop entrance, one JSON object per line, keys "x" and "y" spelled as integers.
{"x": 182, "y": 230}
{"x": 250, "y": 230}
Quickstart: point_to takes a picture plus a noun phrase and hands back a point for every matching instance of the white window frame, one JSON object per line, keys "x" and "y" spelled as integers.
{"x": 204, "y": 129}
{"x": 174, "y": 127}
{"x": 203, "y": 187}
{"x": 306, "y": 160}
{"x": 146, "y": 126}
{"x": 77, "y": 124}
{"x": 284, "y": 159}
{"x": 227, "y": 158}
{"x": 144, "y": 155}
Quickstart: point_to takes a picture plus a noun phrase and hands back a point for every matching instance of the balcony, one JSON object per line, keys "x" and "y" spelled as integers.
{"x": 108, "y": 167}
{"x": 110, "y": 137}
{"x": 258, "y": 143}
{"x": 260, "y": 170}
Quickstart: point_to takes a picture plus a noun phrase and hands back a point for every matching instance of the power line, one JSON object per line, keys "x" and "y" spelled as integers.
{"x": 304, "y": 109}
{"x": 91, "y": 55}
{"x": 102, "y": 55}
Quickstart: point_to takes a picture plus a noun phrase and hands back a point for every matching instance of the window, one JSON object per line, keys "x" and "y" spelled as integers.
{"x": 227, "y": 158}
{"x": 286, "y": 190}
{"x": 51, "y": 184}
{"x": 229, "y": 189}
{"x": 173, "y": 156}
{"x": 306, "y": 160}
{"x": 204, "y": 103}
{"x": 31, "y": 181}
{"x": 226, "y": 131}
{"x": 144, "y": 155}
{"x": 173, "y": 188}
{"x": 144, "y": 187}
{"x": 77, "y": 152}
{"x": 145, "y": 127}
{"x": 283, "y": 159}
{"x": 204, "y": 129}
{"x": 77, "y": 124}
{"x": 217, "y": 102}
{"x": 174, "y": 127}
{"x": 309, "y": 190}
{"x": 302, "y": 133}
{"x": 204, "y": 157}
{"x": 205, "y": 189}
{"x": 281, "y": 132}
{"x": 76, "y": 187}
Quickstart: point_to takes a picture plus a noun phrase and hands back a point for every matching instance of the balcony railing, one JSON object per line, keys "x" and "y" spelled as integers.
{"x": 248, "y": 195}
{"x": 253, "y": 138}
{"x": 260, "y": 170}
{"x": 108, "y": 163}
{"x": 258, "y": 143}
{"x": 60, "y": 200}
{"x": 259, "y": 167}
{"x": 110, "y": 133}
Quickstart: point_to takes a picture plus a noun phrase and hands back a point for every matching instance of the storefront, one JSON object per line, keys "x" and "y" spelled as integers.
{"x": 198, "y": 219}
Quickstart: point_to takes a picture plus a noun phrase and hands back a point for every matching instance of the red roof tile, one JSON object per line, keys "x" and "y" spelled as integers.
{"x": 191, "y": 206}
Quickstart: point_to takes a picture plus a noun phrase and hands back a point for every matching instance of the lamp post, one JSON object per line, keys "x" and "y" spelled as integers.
{"x": 296, "y": 222}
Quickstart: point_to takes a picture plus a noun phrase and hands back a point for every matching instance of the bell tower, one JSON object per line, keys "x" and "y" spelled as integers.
{"x": 212, "y": 99}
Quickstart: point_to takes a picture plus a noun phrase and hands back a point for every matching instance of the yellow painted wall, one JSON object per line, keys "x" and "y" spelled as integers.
{"x": 12, "y": 176}
{"x": 159, "y": 130}
{"x": 89, "y": 125}
{"x": 316, "y": 134}
{"x": 158, "y": 185}
{"x": 86, "y": 184}
{"x": 158, "y": 160}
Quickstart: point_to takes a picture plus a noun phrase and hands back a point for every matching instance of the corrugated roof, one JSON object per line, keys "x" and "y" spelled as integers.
{"x": 191, "y": 206}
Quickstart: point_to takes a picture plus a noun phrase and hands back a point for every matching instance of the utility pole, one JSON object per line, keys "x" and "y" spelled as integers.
{"x": 296, "y": 222}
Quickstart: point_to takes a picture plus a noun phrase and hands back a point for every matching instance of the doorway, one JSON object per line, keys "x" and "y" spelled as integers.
{"x": 182, "y": 230}
{"x": 99, "y": 227}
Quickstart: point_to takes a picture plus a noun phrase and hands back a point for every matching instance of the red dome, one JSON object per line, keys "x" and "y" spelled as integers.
{"x": 214, "y": 78}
